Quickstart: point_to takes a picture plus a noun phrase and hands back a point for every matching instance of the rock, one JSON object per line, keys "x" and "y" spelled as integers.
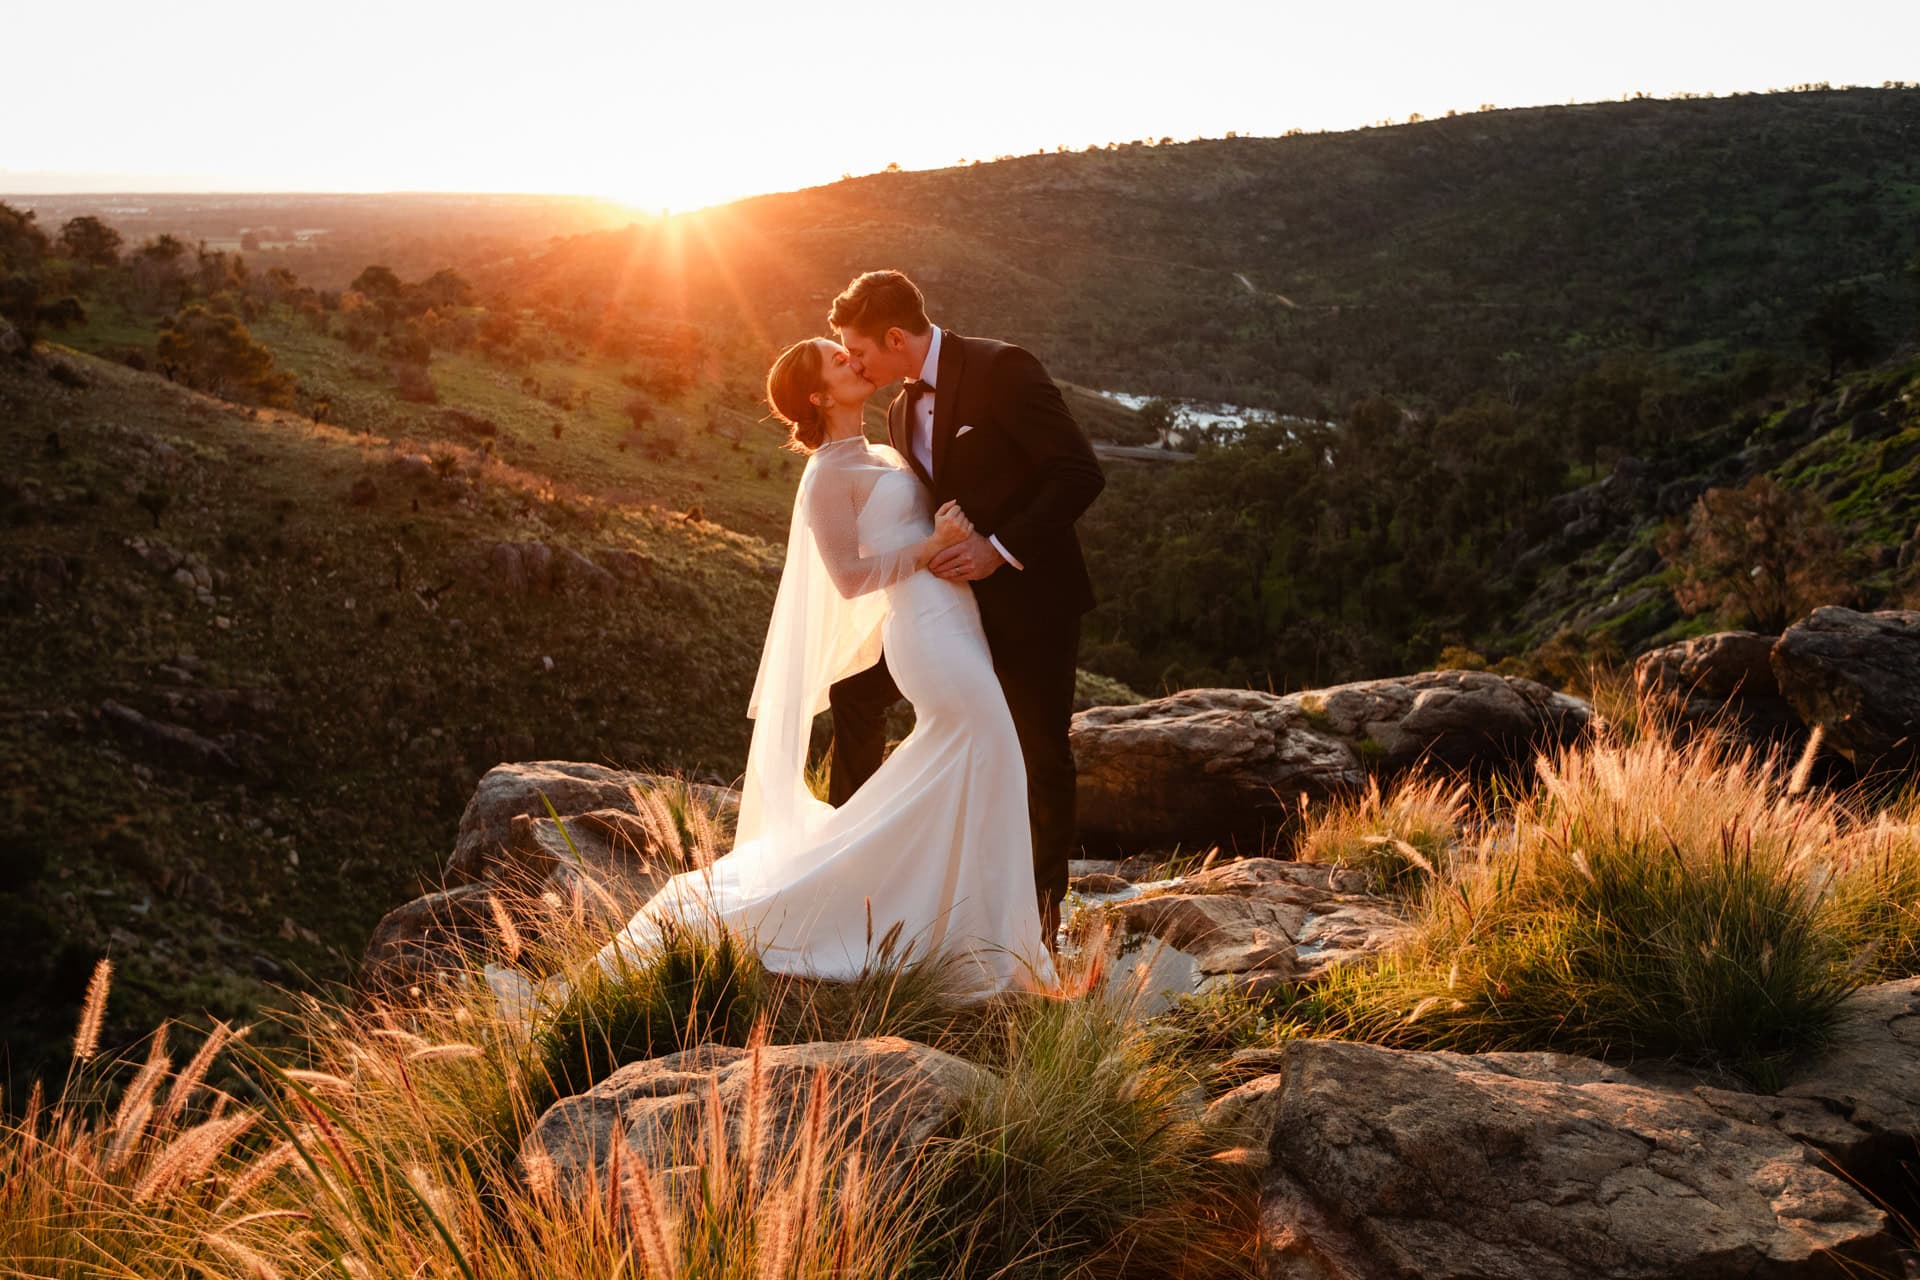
{"x": 1531, "y": 1167}
{"x": 1726, "y": 677}
{"x": 1207, "y": 765}
{"x": 12, "y": 345}
{"x": 508, "y": 791}
{"x": 176, "y": 744}
{"x": 1100, "y": 882}
{"x": 440, "y": 931}
{"x": 510, "y": 852}
{"x": 1868, "y": 1075}
{"x": 1288, "y": 922}
{"x": 1224, "y": 933}
{"x": 1858, "y": 675}
{"x": 39, "y": 576}
{"x": 625, "y": 857}
{"x": 886, "y": 1097}
{"x": 1724, "y": 665}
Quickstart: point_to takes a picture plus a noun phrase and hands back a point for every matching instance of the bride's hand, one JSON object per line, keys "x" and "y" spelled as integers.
{"x": 950, "y": 525}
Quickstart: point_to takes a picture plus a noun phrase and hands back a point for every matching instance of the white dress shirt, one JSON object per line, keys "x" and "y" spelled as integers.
{"x": 921, "y": 440}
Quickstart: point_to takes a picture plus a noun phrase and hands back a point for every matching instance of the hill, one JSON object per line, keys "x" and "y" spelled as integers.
{"x": 1433, "y": 260}
{"x": 254, "y": 664}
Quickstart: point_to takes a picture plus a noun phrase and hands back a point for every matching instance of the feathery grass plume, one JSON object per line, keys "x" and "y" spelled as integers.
{"x": 509, "y": 936}
{"x": 1399, "y": 838}
{"x": 254, "y": 1263}
{"x": 189, "y": 1156}
{"x": 191, "y": 1076}
{"x": 1803, "y": 770}
{"x": 1649, "y": 897}
{"x": 1082, "y": 1143}
{"x": 93, "y": 1012}
{"x": 1872, "y": 906}
{"x": 257, "y": 1171}
{"x": 136, "y": 1105}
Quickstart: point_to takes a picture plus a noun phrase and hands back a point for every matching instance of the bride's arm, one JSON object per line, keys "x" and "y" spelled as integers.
{"x": 832, "y": 515}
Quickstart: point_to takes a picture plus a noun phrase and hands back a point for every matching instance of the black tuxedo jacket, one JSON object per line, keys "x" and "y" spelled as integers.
{"x": 1022, "y": 469}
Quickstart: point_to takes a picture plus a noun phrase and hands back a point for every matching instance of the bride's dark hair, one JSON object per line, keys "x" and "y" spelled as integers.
{"x": 795, "y": 376}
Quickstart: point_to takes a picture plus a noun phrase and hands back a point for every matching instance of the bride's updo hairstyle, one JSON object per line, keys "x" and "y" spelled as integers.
{"x": 795, "y": 376}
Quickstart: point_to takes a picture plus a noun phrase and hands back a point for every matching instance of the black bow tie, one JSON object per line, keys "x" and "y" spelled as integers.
{"x": 917, "y": 387}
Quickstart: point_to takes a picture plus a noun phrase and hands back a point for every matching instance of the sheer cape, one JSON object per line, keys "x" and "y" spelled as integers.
{"x": 825, "y": 627}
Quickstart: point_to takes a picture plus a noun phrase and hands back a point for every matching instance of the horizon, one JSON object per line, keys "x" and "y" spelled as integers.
{"x": 96, "y": 184}
{"x": 478, "y": 101}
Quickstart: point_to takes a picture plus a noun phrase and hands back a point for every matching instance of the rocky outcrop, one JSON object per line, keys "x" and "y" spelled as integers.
{"x": 509, "y": 791}
{"x": 1208, "y": 765}
{"x": 1724, "y": 678}
{"x": 1259, "y": 922}
{"x": 236, "y": 752}
{"x": 1868, "y": 1076}
{"x": 432, "y": 934}
{"x": 617, "y": 838}
{"x": 1530, "y": 1167}
{"x": 1858, "y": 676}
{"x": 885, "y": 1097}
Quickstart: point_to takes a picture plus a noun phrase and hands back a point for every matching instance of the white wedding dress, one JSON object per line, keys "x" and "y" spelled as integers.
{"x": 937, "y": 840}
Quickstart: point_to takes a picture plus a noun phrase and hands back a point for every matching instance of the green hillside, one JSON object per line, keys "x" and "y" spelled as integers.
{"x": 351, "y": 662}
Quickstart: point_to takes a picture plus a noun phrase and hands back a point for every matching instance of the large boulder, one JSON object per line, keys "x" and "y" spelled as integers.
{"x": 613, "y": 844}
{"x": 509, "y": 791}
{"x": 1726, "y": 677}
{"x": 1858, "y": 676}
{"x": 1868, "y": 1075}
{"x": 431, "y": 934}
{"x": 1207, "y": 765}
{"x": 885, "y": 1097}
{"x": 1531, "y": 1167}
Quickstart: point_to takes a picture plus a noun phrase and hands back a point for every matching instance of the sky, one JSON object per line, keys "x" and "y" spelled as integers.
{"x": 682, "y": 105}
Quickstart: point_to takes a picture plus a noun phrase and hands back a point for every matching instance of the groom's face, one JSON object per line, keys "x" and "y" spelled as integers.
{"x": 879, "y": 360}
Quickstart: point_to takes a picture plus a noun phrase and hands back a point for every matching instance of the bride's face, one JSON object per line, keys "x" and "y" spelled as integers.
{"x": 842, "y": 382}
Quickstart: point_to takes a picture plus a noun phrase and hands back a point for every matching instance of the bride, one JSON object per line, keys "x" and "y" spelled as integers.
{"x": 937, "y": 840}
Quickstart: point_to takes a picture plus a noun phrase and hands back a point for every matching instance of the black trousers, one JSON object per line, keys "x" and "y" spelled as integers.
{"x": 1035, "y": 660}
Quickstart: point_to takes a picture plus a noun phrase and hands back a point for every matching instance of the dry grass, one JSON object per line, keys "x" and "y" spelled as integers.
{"x": 387, "y": 1147}
{"x": 1400, "y": 838}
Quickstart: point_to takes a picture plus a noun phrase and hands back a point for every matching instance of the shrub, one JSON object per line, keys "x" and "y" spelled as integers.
{"x": 1398, "y": 839}
{"x": 1083, "y": 1153}
{"x": 1873, "y": 908}
{"x": 1759, "y": 556}
{"x": 701, "y": 984}
{"x": 1644, "y": 900}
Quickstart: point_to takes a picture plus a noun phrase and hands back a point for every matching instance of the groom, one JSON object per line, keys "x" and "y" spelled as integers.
{"x": 982, "y": 423}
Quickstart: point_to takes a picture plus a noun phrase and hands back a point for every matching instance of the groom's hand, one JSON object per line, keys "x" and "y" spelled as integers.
{"x": 967, "y": 561}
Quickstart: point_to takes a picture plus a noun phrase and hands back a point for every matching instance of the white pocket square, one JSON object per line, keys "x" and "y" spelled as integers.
{"x": 966, "y": 427}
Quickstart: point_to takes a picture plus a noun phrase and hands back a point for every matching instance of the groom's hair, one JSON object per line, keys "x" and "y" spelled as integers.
{"x": 879, "y": 301}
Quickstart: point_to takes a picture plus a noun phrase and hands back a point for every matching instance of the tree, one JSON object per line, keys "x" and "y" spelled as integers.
{"x": 377, "y": 283}
{"x": 23, "y": 247}
{"x": 214, "y": 352}
{"x": 1156, "y": 417}
{"x": 1761, "y": 555}
{"x": 1841, "y": 331}
{"x": 90, "y": 240}
{"x": 444, "y": 288}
